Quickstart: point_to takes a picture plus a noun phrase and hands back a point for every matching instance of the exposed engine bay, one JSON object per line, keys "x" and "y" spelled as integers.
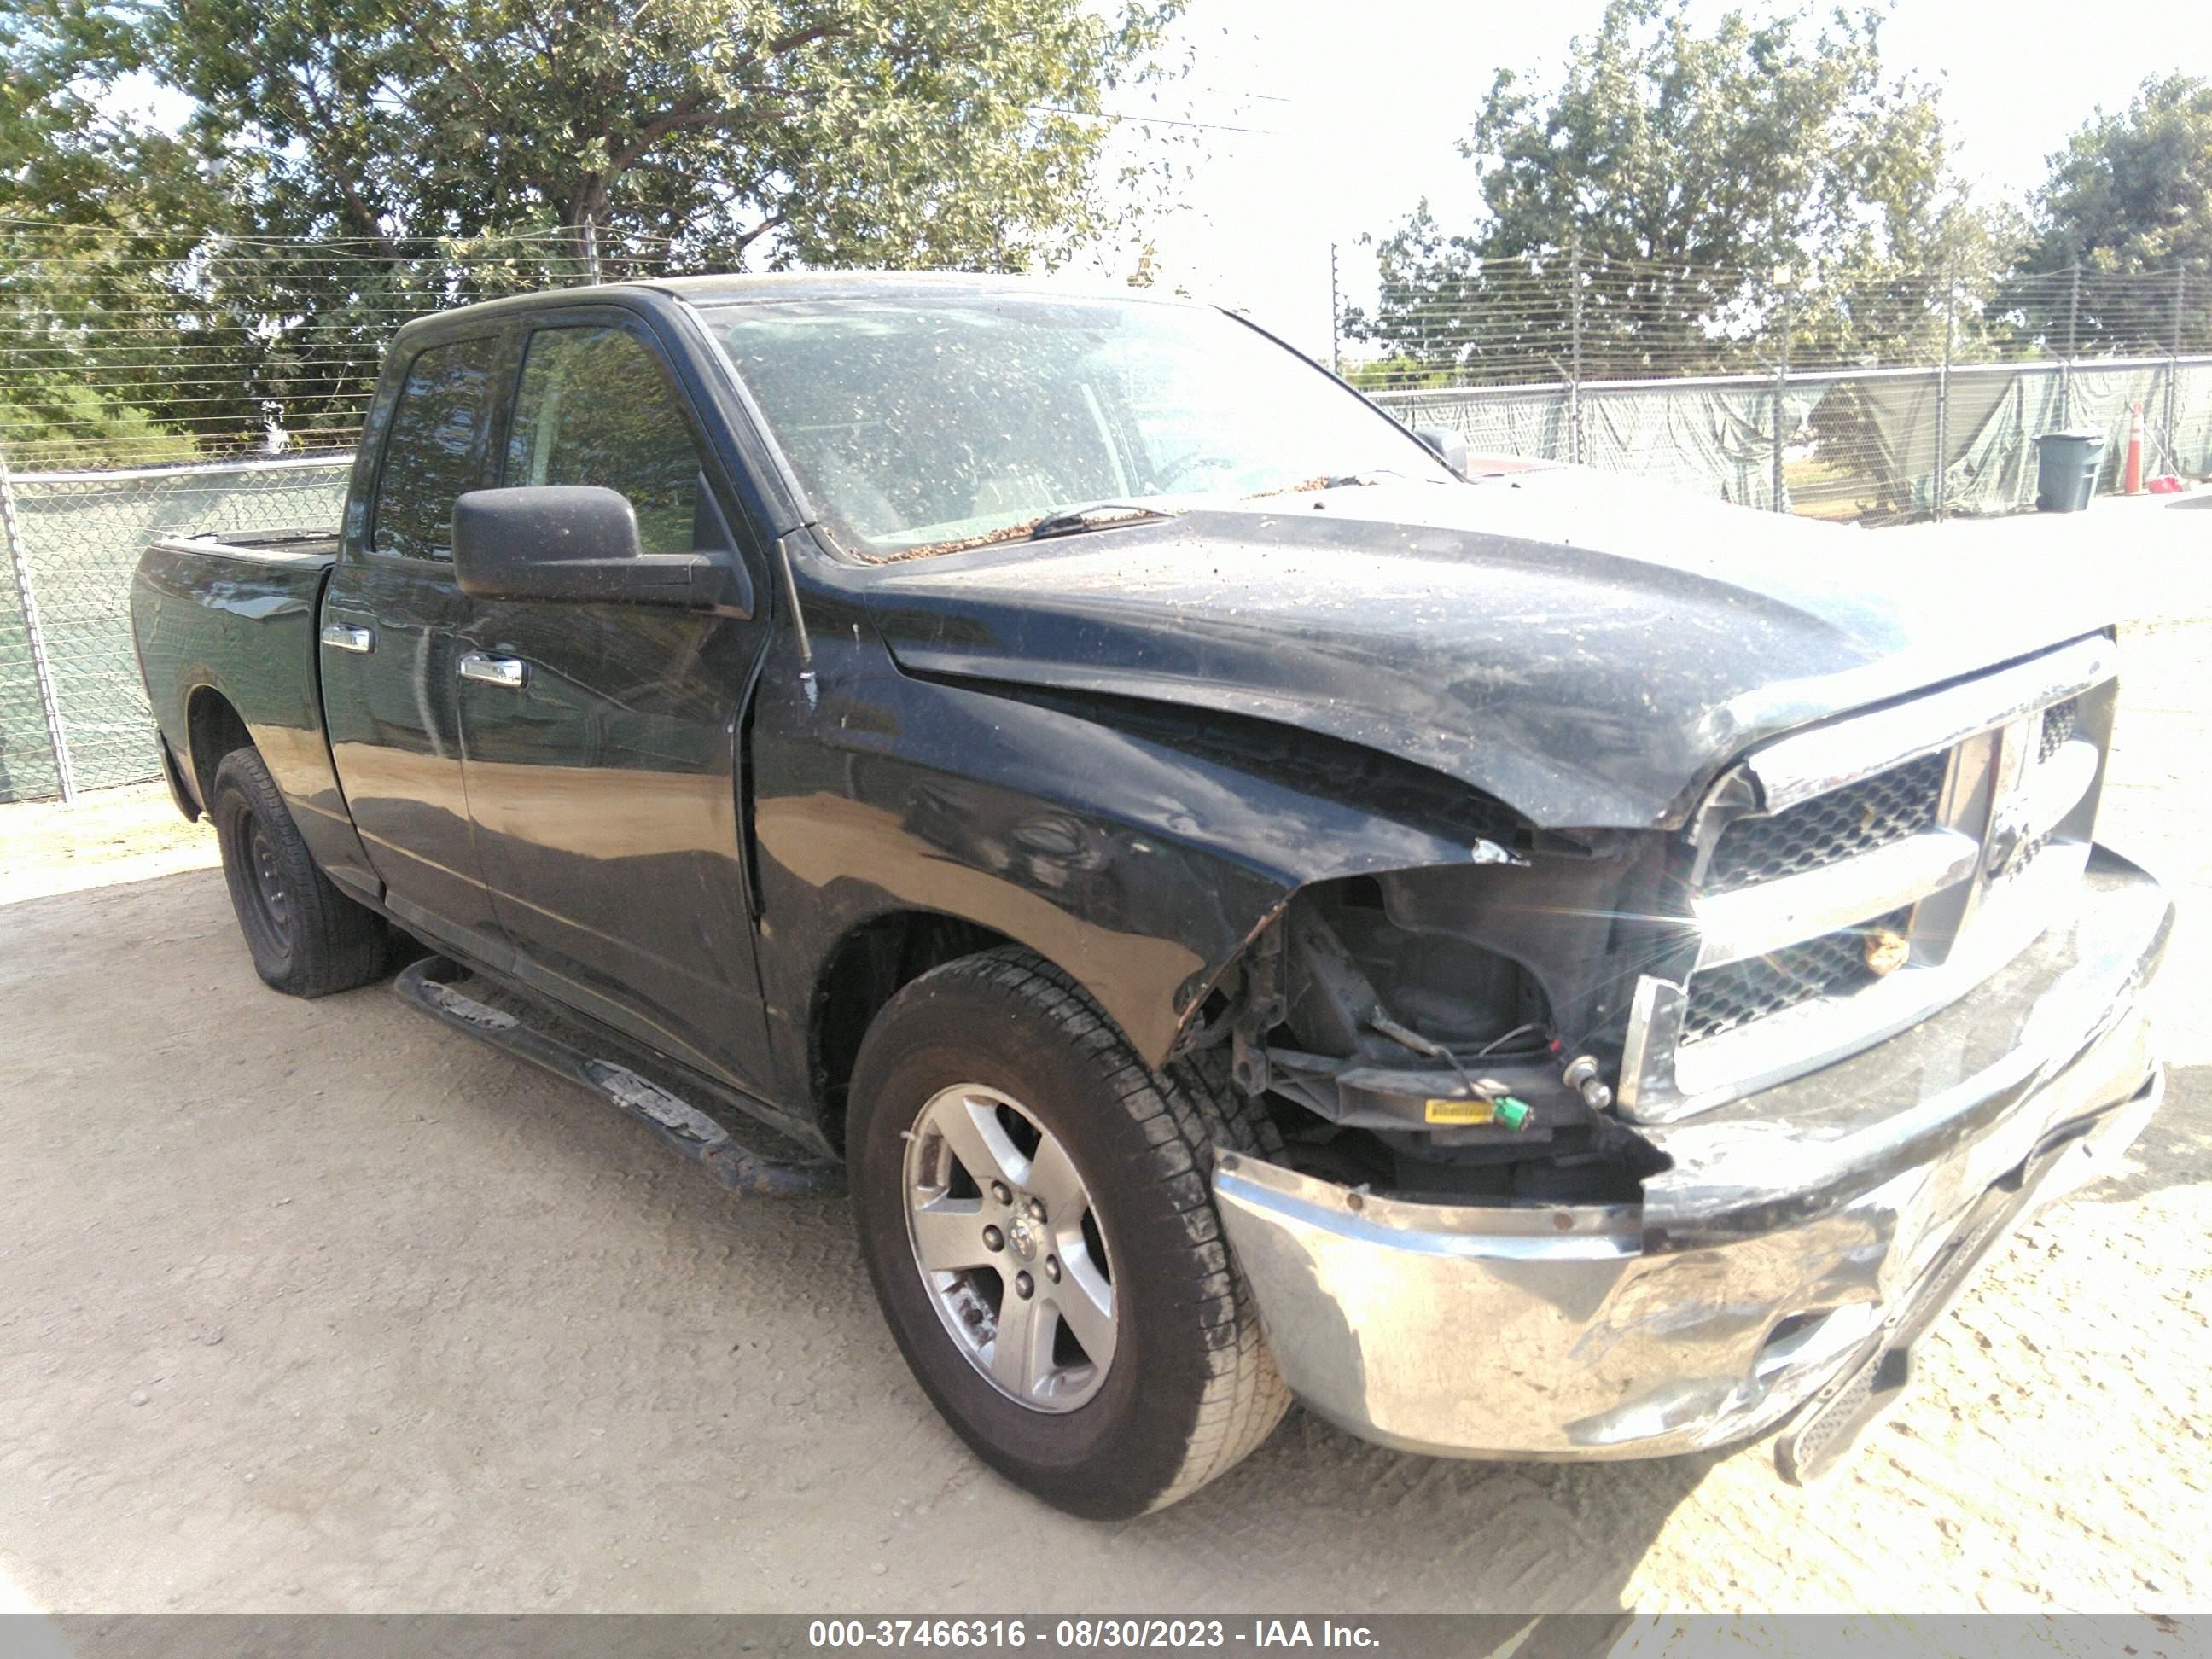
{"x": 1449, "y": 1033}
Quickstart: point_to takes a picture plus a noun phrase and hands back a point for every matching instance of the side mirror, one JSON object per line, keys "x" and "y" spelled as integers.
{"x": 574, "y": 542}
{"x": 1449, "y": 446}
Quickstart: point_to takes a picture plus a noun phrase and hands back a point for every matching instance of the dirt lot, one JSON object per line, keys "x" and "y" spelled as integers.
{"x": 321, "y": 1306}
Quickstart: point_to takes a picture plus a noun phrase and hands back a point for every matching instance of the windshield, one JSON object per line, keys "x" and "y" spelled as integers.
{"x": 923, "y": 423}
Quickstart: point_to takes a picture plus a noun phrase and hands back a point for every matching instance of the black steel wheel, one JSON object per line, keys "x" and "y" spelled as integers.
{"x": 306, "y": 938}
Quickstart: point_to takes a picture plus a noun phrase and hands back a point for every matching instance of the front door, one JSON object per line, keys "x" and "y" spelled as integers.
{"x": 390, "y": 644}
{"x": 602, "y": 740}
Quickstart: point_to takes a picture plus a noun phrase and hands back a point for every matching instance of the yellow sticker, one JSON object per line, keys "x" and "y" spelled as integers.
{"x": 1461, "y": 1111}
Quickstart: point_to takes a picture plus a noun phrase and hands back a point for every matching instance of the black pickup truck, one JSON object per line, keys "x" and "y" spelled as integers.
{"x": 1532, "y": 964}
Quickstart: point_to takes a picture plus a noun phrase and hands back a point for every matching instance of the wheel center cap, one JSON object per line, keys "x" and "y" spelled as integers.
{"x": 1022, "y": 1237}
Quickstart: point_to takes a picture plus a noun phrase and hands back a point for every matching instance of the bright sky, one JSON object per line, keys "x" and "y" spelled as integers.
{"x": 1359, "y": 106}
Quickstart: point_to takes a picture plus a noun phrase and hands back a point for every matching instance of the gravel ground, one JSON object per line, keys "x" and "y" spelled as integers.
{"x": 321, "y": 1306}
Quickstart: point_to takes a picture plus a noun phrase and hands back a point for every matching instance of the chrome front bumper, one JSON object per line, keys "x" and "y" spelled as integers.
{"x": 1797, "y": 1232}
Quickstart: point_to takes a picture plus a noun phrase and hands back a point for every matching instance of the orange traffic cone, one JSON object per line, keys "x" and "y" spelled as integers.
{"x": 2134, "y": 484}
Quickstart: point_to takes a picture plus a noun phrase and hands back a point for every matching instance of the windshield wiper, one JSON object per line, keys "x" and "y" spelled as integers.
{"x": 1092, "y": 515}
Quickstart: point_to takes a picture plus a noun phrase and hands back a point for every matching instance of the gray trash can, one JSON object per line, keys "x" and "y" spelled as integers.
{"x": 2066, "y": 468}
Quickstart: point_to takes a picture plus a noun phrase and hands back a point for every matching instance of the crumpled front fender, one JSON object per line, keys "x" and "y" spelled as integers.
{"x": 1139, "y": 857}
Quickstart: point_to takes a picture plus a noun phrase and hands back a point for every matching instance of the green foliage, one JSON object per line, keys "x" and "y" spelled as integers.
{"x": 337, "y": 165}
{"x": 2123, "y": 228}
{"x": 2132, "y": 192}
{"x": 1709, "y": 185}
{"x": 901, "y": 131}
{"x": 63, "y": 422}
{"x": 1765, "y": 142}
{"x": 66, "y": 160}
{"x": 1399, "y": 372}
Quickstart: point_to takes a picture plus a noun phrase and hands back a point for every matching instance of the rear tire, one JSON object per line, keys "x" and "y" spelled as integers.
{"x": 306, "y": 938}
{"x": 997, "y": 1070}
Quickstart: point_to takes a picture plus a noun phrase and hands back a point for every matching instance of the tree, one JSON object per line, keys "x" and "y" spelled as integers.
{"x": 1703, "y": 181}
{"x": 904, "y": 131}
{"x": 101, "y": 197}
{"x": 2130, "y": 197}
{"x": 341, "y": 164}
{"x": 2132, "y": 192}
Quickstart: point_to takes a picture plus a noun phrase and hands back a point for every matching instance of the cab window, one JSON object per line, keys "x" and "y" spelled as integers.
{"x": 430, "y": 448}
{"x": 594, "y": 408}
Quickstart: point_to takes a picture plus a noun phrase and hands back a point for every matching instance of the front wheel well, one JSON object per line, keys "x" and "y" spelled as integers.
{"x": 869, "y": 967}
{"x": 213, "y": 729}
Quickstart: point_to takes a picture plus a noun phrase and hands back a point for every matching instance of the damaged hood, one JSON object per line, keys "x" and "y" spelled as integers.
{"x": 1587, "y": 648}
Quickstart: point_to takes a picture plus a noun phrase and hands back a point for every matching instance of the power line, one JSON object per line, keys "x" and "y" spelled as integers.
{"x": 1149, "y": 120}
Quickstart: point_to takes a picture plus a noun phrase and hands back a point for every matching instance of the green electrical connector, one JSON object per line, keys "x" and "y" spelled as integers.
{"x": 1513, "y": 1114}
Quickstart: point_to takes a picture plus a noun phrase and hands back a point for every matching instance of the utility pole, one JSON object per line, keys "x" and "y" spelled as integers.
{"x": 1336, "y": 317}
{"x": 2066, "y": 371}
{"x": 1575, "y": 350}
{"x": 42, "y": 668}
{"x": 591, "y": 251}
{"x": 1781, "y": 395}
{"x": 1942, "y": 483}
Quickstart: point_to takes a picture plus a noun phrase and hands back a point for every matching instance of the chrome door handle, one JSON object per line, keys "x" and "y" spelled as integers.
{"x": 339, "y": 637}
{"x": 510, "y": 672}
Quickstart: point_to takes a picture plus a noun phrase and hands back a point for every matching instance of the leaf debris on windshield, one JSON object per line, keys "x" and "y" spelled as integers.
{"x": 1012, "y": 532}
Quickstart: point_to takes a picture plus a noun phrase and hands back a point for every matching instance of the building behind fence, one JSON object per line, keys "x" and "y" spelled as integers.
{"x": 141, "y": 391}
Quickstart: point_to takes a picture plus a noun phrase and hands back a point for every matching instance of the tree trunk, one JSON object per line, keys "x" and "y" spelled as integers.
{"x": 587, "y": 203}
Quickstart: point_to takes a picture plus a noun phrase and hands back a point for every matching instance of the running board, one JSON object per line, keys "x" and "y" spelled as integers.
{"x": 748, "y": 1158}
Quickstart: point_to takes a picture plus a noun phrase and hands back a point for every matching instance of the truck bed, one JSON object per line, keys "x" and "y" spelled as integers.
{"x": 318, "y": 545}
{"x": 225, "y": 625}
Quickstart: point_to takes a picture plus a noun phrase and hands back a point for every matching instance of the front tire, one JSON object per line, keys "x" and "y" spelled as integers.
{"x": 306, "y": 938}
{"x": 1033, "y": 1208}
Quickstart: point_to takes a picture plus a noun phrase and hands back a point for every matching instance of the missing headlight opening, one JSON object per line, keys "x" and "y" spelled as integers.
{"x": 1444, "y": 1033}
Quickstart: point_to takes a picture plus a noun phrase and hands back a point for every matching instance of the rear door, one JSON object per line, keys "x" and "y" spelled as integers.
{"x": 602, "y": 740}
{"x": 389, "y": 639}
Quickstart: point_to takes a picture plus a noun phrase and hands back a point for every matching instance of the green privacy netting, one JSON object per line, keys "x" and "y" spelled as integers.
{"x": 1855, "y": 443}
{"x": 82, "y": 533}
{"x": 27, "y": 758}
{"x": 1708, "y": 434}
{"x": 1711, "y": 435}
{"x": 1494, "y": 420}
{"x": 1995, "y": 412}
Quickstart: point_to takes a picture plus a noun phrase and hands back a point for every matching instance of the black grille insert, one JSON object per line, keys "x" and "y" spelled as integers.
{"x": 2057, "y": 732}
{"x": 1840, "y": 824}
{"x": 2058, "y": 729}
{"x": 1721, "y": 999}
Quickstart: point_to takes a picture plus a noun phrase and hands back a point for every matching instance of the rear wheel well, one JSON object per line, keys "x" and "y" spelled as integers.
{"x": 870, "y": 966}
{"x": 212, "y": 730}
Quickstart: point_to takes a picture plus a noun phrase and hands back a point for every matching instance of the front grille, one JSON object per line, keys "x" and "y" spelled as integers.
{"x": 1721, "y": 999}
{"x": 1864, "y": 839}
{"x": 1840, "y": 824}
{"x": 2022, "y": 859}
{"x": 2058, "y": 729}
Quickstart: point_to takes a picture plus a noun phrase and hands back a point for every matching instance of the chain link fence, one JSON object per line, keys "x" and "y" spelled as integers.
{"x": 73, "y": 715}
{"x": 152, "y": 386}
{"x": 1872, "y": 397}
{"x": 1870, "y": 445}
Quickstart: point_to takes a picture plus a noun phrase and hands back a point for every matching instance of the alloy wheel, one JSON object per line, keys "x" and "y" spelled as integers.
{"x": 1010, "y": 1248}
